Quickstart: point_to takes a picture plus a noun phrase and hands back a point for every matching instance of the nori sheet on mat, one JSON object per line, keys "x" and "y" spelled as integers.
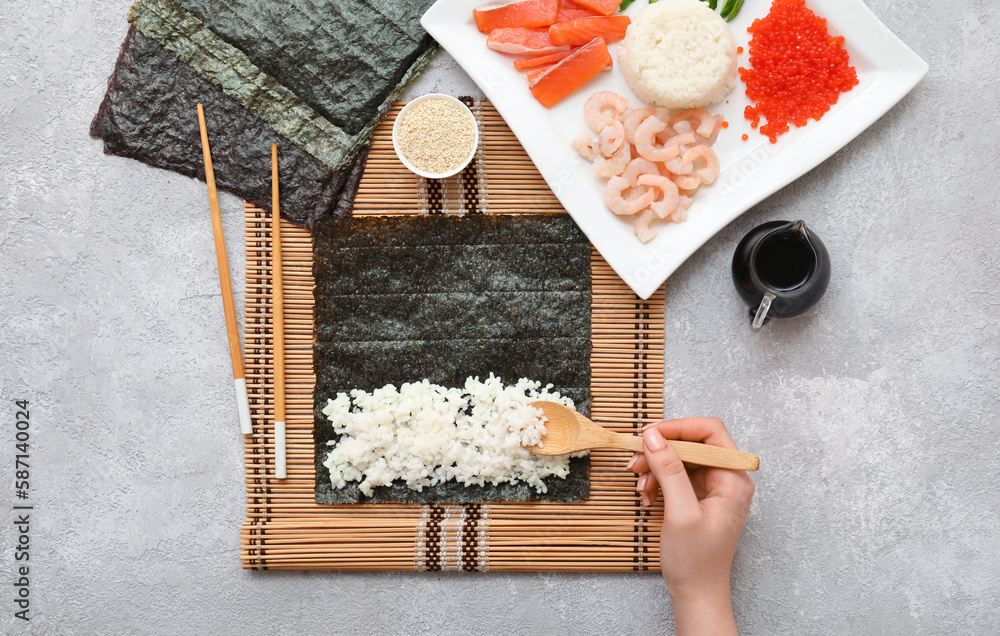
{"x": 321, "y": 72}
{"x": 148, "y": 113}
{"x": 443, "y": 297}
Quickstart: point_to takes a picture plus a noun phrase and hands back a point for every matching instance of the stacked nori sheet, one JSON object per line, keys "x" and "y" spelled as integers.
{"x": 148, "y": 113}
{"x": 320, "y": 72}
{"x": 443, "y": 297}
{"x": 314, "y": 76}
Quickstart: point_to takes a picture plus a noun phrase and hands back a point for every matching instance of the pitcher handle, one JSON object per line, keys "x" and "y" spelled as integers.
{"x": 765, "y": 305}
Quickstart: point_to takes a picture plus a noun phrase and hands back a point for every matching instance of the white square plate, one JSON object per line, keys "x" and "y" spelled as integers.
{"x": 750, "y": 171}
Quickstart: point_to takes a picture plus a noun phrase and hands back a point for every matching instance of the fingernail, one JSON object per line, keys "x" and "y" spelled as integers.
{"x": 645, "y": 500}
{"x": 631, "y": 463}
{"x": 643, "y": 481}
{"x": 653, "y": 440}
{"x": 649, "y": 426}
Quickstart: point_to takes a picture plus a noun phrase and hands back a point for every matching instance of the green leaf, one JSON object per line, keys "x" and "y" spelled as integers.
{"x": 624, "y": 5}
{"x": 730, "y": 9}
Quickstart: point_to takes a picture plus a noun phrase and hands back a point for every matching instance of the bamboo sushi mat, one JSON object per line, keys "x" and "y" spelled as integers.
{"x": 286, "y": 529}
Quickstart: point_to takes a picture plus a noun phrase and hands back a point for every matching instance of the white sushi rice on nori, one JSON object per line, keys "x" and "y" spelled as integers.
{"x": 425, "y": 434}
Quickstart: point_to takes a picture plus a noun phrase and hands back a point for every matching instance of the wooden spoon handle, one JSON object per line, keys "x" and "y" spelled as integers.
{"x": 697, "y": 453}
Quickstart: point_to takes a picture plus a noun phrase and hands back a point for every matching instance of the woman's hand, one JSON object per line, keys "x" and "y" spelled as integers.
{"x": 704, "y": 510}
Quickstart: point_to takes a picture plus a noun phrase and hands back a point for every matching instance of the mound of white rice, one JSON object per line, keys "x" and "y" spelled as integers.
{"x": 425, "y": 434}
{"x": 679, "y": 54}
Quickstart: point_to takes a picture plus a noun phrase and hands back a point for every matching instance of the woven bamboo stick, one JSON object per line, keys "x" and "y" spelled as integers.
{"x": 285, "y": 528}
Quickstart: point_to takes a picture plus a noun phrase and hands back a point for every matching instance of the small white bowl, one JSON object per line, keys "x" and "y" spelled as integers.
{"x": 424, "y": 173}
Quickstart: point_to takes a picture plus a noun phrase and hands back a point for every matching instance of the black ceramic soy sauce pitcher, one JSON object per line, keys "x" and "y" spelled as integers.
{"x": 780, "y": 269}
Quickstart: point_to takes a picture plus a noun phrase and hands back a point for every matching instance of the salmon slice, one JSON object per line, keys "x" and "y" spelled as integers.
{"x": 541, "y": 60}
{"x": 604, "y": 7}
{"x": 535, "y": 73}
{"x": 521, "y": 41}
{"x": 571, "y": 73}
{"x": 527, "y": 13}
{"x": 611, "y": 28}
{"x": 571, "y": 11}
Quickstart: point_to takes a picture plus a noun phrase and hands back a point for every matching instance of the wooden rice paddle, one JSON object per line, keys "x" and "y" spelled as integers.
{"x": 232, "y": 330}
{"x": 569, "y": 432}
{"x": 278, "y": 323}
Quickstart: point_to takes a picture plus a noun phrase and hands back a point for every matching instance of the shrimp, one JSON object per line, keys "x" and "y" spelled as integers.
{"x": 704, "y": 119}
{"x": 708, "y": 141}
{"x": 617, "y": 203}
{"x": 614, "y": 165}
{"x": 682, "y": 128}
{"x": 663, "y": 114}
{"x": 645, "y": 141}
{"x": 638, "y": 167}
{"x": 671, "y": 197}
{"x": 682, "y": 141}
{"x": 686, "y": 183}
{"x": 632, "y": 118}
{"x": 611, "y": 138}
{"x": 681, "y": 213}
{"x": 677, "y": 166}
{"x": 641, "y": 226}
{"x": 710, "y": 171}
{"x": 595, "y": 106}
{"x": 678, "y": 145}
{"x": 584, "y": 144}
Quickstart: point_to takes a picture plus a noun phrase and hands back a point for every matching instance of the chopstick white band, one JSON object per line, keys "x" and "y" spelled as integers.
{"x": 280, "y": 470}
{"x": 243, "y": 405}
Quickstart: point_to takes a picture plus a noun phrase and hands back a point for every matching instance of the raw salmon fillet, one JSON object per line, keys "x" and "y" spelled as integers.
{"x": 575, "y": 32}
{"x": 571, "y": 11}
{"x": 604, "y": 7}
{"x": 527, "y": 13}
{"x": 572, "y": 72}
{"x": 521, "y": 41}
{"x": 541, "y": 60}
{"x": 535, "y": 73}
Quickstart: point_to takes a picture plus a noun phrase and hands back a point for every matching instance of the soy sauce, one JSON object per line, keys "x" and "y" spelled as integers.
{"x": 784, "y": 263}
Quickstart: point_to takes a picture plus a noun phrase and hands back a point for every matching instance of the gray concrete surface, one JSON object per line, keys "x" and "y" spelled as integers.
{"x": 876, "y": 414}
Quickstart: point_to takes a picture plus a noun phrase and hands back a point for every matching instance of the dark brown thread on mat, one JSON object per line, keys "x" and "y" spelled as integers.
{"x": 435, "y": 198}
{"x": 256, "y": 362}
{"x": 469, "y": 177}
{"x": 470, "y": 538}
{"x": 260, "y": 363}
{"x": 470, "y": 188}
{"x": 433, "y": 552}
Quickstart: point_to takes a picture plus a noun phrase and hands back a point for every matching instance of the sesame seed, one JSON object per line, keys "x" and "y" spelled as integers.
{"x": 436, "y": 135}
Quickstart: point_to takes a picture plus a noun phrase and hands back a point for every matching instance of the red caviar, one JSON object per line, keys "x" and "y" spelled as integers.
{"x": 745, "y": 136}
{"x": 798, "y": 68}
{"x": 739, "y": 49}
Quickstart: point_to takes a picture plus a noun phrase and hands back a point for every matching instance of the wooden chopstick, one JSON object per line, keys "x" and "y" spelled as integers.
{"x": 277, "y": 323}
{"x": 232, "y": 330}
